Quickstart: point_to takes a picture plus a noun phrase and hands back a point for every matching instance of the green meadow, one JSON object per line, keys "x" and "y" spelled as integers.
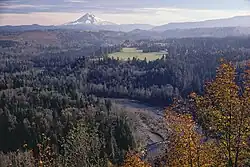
{"x": 133, "y": 52}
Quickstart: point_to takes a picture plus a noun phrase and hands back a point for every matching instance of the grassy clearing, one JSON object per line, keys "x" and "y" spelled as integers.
{"x": 133, "y": 52}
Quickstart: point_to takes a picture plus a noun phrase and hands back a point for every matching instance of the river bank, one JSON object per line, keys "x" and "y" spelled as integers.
{"x": 149, "y": 125}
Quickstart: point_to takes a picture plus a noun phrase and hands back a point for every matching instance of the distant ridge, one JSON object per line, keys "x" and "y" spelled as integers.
{"x": 90, "y": 22}
{"x": 238, "y": 21}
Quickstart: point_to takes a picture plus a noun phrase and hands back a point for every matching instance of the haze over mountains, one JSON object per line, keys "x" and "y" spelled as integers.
{"x": 97, "y": 23}
{"x": 235, "y": 26}
{"x": 238, "y": 21}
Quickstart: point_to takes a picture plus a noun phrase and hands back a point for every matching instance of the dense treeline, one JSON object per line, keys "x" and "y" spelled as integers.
{"x": 30, "y": 113}
{"x": 180, "y": 72}
{"x": 53, "y": 94}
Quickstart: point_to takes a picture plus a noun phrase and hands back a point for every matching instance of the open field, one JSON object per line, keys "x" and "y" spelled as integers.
{"x": 133, "y": 52}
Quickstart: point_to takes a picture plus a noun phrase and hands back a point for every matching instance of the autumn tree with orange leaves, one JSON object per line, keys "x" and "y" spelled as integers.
{"x": 134, "y": 160}
{"x": 187, "y": 147}
{"x": 224, "y": 114}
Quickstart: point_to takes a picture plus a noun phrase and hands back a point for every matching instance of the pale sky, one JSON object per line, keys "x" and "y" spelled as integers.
{"x": 155, "y": 12}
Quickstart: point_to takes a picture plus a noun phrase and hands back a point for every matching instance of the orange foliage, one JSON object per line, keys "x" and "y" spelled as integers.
{"x": 224, "y": 113}
{"x": 134, "y": 160}
{"x": 187, "y": 147}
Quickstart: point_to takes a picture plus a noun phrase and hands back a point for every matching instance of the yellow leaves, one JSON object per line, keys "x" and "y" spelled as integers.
{"x": 226, "y": 110}
{"x": 193, "y": 95}
{"x": 110, "y": 164}
{"x": 133, "y": 160}
{"x": 188, "y": 147}
{"x": 40, "y": 163}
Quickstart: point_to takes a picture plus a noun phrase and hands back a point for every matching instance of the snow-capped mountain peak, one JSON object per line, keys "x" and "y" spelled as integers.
{"x": 90, "y": 19}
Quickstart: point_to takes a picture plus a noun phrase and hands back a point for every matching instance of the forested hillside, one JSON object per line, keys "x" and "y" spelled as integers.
{"x": 56, "y": 106}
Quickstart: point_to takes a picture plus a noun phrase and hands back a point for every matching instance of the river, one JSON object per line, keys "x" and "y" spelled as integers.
{"x": 150, "y": 124}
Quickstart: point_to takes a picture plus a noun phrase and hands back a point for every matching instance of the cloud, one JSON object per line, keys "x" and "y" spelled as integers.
{"x": 37, "y": 18}
{"x": 114, "y": 6}
{"x": 155, "y": 16}
{"x": 5, "y": 6}
{"x": 119, "y": 11}
{"x": 75, "y": 1}
{"x": 73, "y": 6}
{"x": 158, "y": 16}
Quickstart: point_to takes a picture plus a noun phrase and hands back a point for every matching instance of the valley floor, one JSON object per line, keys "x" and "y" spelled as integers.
{"x": 150, "y": 126}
